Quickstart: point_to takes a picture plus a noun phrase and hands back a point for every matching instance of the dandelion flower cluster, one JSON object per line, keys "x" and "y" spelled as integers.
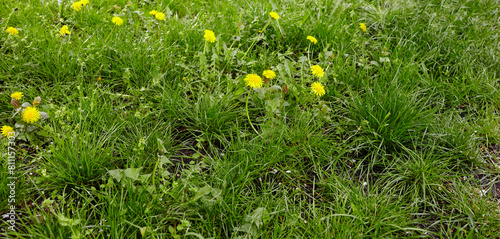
{"x": 12, "y": 31}
{"x": 254, "y": 81}
{"x": 31, "y": 115}
{"x": 117, "y": 21}
{"x": 317, "y": 71}
{"x": 153, "y": 12}
{"x": 64, "y": 30}
{"x": 17, "y": 95}
{"x": 274, "y": 15}
{"x": 317, "y": 89}
{"x": 160, "y": 16}
{"x": 77, "y": 6}
{"x": 363, "y": 27}
{"x": 312, "y": 39}
{"x": 6, "y": 130}
{"x": 269, "y": 74}
{"x": 209, "y": 36}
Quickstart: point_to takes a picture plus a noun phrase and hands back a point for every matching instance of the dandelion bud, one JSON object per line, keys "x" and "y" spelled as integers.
{"x": 37, "y": 101}
{"x": 15, "y": 103}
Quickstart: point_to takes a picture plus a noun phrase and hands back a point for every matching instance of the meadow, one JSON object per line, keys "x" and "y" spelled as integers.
{"x": 250, "y": 119}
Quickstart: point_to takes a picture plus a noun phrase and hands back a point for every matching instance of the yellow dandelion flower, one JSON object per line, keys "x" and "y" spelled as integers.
{"x": 117, "y": 21}
{"x": 363, "y": 27}
{"x": 317, "y": 71}
{"x": 253, "y": 81}
{"x": 317, "y": 89}
{"x": 160, "y": 16}
{"x": 12, "y": 31}
{"x": 209, "y": 36}
{"x": 269, "y": 74}
{"x": 153, "y": 12}
{"x": 31, "y": 115}
{"x": 274, "y": 15}
{"x": 64, "y": 30}
{"x": 17, "y": 95}
{"x": 77, "y": 6}
{"x": 7, "y": 131}
{"x": 312, "y": 39}
{"x": 84, "y": 2}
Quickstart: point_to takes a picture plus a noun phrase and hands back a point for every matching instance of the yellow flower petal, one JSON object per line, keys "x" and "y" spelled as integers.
{"x": 363, "y": 27}
{"x": 12, "y": 31}
{"x": 64, "y": 30}
{"x": 269, "y": 74}
{"x": 209, "y": 36}
{"x": 160, "y": 16}
{"x": 317, "y": 71}
{"x": 317, "y": 89}
{"x": 77, "y": 6}
{"x": 17, "y": 95}
{"x": 274, "y": 15}
{"x": 312, "y": 39}
{"x": 253, "y": 81}
{"x": 7, "y": 131}
{"x": 117, "y": 21}
{"x": 30, "y": 115}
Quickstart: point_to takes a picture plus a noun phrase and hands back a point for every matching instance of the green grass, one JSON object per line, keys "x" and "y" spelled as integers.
{"x": 149, "y": 136}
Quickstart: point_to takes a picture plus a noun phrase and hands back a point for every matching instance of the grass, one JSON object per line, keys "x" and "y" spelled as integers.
{"x": 149, "y": 134}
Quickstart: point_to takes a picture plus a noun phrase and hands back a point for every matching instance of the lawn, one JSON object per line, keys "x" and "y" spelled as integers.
{"x": 250, "y": 119}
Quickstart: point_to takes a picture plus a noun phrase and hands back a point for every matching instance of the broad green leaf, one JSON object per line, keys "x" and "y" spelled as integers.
{"x": 142, "y": 230}
{"x": 200, "y": 193}
{"x": 132, "y": 173}
{"x": 116, "y": 174}
{"x": 47, "y": 202}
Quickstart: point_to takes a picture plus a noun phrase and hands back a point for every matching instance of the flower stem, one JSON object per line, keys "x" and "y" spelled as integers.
{"x": 248, "y": 116}
{"x": 105, "y": 41}
{"x": 158, "y": 32}
{"x": 308, "y": 51}
{"x": 154, "y": 172}
{"x": 256, "y": 39}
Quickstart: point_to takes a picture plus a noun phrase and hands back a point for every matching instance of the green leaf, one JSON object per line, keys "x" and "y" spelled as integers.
{"x": 258, "y": 216}
{"x": 200, "y": 193}
{"x": 160, "y": 144}
{"x": 164, "y": 160}
{"x": 142, "y": 230}
{"x": 273, "y": 104}
{"x": 240, "y": 91}
{"x": 203, "y": 61}
{"x": 305, "y": 18}
{"x": 144, "y": 177}
{"x": 275, "y": 88}
{"x": 47, "y": 202}
{"x": 194, "y": 234}
{"x": 288, "y": 67}
{"x": 64, "y": 221}
{"x": 261, "y": 92}
{"x": 43, "y": 133}
{"x": 196, "y": 155}
{"x": 116, "y": 174}
{"x": 132, "y": 173}
{"x": 44, "y": 115}
{"x": 171, "y": 230}
{"x": 25, "y": 104}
